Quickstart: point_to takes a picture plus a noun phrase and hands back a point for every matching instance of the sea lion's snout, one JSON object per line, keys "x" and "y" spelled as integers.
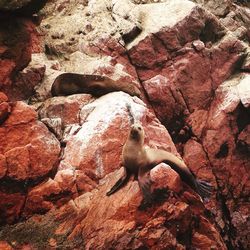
{"x": 136, "y": 132}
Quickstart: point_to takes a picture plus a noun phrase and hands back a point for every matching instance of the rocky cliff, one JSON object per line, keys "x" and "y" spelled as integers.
{"x": 60, "y": 155}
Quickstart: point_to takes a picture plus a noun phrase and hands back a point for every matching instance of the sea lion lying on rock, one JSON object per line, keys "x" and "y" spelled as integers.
{"x": 96, "y": 85}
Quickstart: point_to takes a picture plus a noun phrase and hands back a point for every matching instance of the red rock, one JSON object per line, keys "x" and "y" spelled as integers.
{"x": 66, "y": 180}
{"x": 3, "y": 166}
{"x": 238, "y": 19}
{"x": 5, "y": 246}
{"x": 30, "y": 150}
{"x": 186, "y": 73}
{"x": 11, "y": 206}
{"x": 203, "y": 242}
{"x": 96, "y": 148}
{"x": 21, "y": 113}
{"x": 20, "y": 38}
{"x": 188, "y": 56}
{"x": 224, "y": 62}
{"x": 52, "y": 242}
{"x": 40, "y": 198}
{"x": 27, "y": 79}
{"x": 4, "y": 111}
{"x": 35, "y": 37}
{"x": 158, "y": 87}
{"x": 6, "y": 68}
{"x": 197, "y": 161}
{"x": 198, "y": 45}
{"x": 244, "y": 137}
{"x": 145, "y": 54}
{"x": 18, "y": 162}
{"x": 164, "y": 177}
{"x": 3, "y": 97}
{"x": 65, "y": 108}
{"x": 197, "y": 121}
{"x": 83, "y": 182}
{"x": 218, "y": 8}
{"x": 191, "y": 79}
{"x": 207, "y": 236}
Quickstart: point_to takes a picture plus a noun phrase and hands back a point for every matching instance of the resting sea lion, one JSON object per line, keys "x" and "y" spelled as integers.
{"x": 97, "y": 85}
{"x": 139, "y": 160}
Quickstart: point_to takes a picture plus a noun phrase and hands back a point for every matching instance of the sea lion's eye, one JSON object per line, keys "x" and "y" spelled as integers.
{"x": 139, "y": 128}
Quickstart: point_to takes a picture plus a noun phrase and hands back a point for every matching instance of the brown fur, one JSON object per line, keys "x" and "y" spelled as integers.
{"x": 139, "y": 160}
{"x": 96, "y": 85}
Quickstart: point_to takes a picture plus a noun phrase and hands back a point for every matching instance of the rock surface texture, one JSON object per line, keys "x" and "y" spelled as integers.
{"x": 60, "y": 155}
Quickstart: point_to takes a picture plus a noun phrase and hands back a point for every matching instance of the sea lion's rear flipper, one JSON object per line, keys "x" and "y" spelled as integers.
{"x": 204, "y": 188}
{"x": 123, "y": 180}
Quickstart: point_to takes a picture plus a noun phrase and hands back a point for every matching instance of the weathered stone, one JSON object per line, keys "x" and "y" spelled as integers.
{"x": 3, "y": 166}
{"x": 4, "y": 111}
{"x": 25, "y": 7}
{"x": 29, "y": 78}
{"x": 3, "y": 97}
{"x": 10, "y": 206}
{"x": 182, "y": 57}
{"x": 244, "y": 90}
{"x": 238, "y": 21}
{"x": 218, "y": 8}
{"x": 65, "y": 108}
{"x": 94, "y": 148}
{"x": 5, "y": 246}
{"x": 197, "y": 121}
{"x": 165, "y": 177}
{"x": 19, "y": 39}
{"x": 246, "y": 64}
{"x": 244, "y": 138}
{"x": 41, "y": 198}
{"x": 30, "y": 150}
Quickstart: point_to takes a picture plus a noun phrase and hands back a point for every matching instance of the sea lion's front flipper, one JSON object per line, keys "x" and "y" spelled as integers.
{"x": 145, "y": 186}
{"x": 203, "y": 188}
{"x": 120, "y": 182}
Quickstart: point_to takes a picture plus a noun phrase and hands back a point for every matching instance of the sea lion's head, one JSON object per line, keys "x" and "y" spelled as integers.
{"x": 137, "y": 132}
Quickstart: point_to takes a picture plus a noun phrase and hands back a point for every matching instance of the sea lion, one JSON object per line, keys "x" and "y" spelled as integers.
{"x": 139, "y": 160}
{"x": 96, "y": 85}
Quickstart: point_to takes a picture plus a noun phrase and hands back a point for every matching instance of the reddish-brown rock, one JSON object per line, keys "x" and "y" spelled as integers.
{"x": 182, "y": 55}
{"x": 95, "y": 148}
{"x": 5, "y": 246}
{"x": 165, "y": 177}
{"x": 5, "y": 108}
{"x": 3, "y": 97}
{"x": 27, "y": 79}
{"x": 19, "y": 38}
{"x": 30, "y": 150}
{"x": 4, "y": 111}
{"x": 66, "y": 108}
{"x": 92, "y": 145}
{"x": 3, "y": 166}
{"x": 40, "y": 199}
{"x": 95, "y": 221}
{"x": 11, "y": 205}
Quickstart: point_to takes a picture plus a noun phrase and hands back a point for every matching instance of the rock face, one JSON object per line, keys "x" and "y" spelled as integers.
{"x": 89, "y": 167}
{"x": 18, "y": 39}
{"x": 23, "y": 7}
{"x": 59, "y": 156}
{"x": 28, "y": 152}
